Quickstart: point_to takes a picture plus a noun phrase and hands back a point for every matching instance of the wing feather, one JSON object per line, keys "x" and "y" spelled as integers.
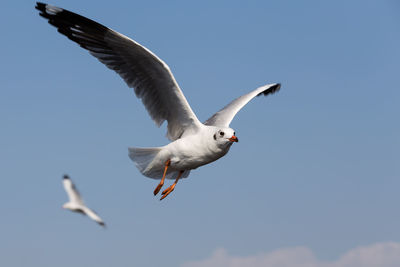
{"x": 92, "y": 215}
{"x": 142, "y": 70}
{"x": 72, "y": 191}
{"x": 224, "y": 117}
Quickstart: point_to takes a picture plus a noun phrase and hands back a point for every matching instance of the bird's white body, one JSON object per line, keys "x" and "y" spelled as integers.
{"x": 83, "y": 210}
{"x": 193, "y": 151}
{"x": 186, "y": 153}
{"x": 73, "y": 206}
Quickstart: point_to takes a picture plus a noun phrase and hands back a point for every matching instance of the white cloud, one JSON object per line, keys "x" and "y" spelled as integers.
{"x": 377, "y": 255}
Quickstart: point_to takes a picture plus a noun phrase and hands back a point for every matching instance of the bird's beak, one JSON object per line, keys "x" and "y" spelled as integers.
{"x": 234, "y": 139}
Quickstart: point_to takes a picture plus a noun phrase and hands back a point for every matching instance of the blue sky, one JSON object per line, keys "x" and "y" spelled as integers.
{"x": 317, "y": 165}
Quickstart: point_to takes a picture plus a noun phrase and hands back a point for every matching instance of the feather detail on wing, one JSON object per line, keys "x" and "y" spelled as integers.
{"x": 91, "y": 214}
{"x": 224, "y": 117}
{"x": 142, "y": 70}
{"x": 72, "y": 192}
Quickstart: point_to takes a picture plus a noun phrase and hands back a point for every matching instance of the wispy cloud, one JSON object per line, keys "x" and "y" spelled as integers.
{"x": 377, "y": 255}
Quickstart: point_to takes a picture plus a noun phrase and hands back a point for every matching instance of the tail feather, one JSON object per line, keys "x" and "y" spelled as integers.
{"x": 143, "y": 157}
{"x": 145, "y": 160}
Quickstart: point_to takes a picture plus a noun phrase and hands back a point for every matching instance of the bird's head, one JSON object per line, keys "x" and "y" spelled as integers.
{"x": 66, "y": 206}
{"x": 225, "y": 136}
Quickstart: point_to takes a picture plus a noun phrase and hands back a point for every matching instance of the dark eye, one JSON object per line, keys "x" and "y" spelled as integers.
{"x": 221, "y": 133}
{"x": 234, "y": 133}
{"x": 215, "y": 137}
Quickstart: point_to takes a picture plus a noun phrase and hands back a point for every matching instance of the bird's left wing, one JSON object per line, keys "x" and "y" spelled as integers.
{"x": 224, "y": 117}
{"x": 92, "y": 215}
{"x": 141, "y": 69}
{"x": 72, "y": 192}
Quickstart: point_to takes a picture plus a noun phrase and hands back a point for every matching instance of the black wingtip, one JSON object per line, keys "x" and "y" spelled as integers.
{"x": 41, "y": 6}
{"x": 271, "y": 90}
{"x": 65, "y": 176}
{"x": 277, "y": 87}
{"x": 48, "y": 11}
{"x": 69, "y": 23}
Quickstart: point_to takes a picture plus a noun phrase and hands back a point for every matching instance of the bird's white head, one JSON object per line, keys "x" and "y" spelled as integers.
{"x": 67, "y": 206}
{"x": 225, "y": 136}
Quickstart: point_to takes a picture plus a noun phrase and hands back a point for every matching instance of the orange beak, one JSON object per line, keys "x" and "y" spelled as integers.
{"x": 234, "y": 139}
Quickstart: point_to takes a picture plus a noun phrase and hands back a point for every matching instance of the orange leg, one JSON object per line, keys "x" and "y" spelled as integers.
{"x": 166, "y": 192}
{"x": 167, "y": 163}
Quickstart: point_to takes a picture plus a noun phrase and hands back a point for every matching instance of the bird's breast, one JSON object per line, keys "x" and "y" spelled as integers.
{"x": 191, "y": 155}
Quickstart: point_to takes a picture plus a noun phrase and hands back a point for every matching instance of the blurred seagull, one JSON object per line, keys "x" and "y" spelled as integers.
{"x": 193, "y": 143}
{"x": 76, "y": 203}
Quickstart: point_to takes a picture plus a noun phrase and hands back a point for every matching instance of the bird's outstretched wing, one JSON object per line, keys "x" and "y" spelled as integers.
{"x": 92, "y": 215}
{"x": 142, "y": 70}
{"x": 224, "y": 117}
{"x": 72, "y": 192}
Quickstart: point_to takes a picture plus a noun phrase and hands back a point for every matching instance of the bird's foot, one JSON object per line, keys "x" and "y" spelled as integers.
{"x": 167, "y": 164}
{"x": 158, "y": 188}
{"x": 167, "y": 191}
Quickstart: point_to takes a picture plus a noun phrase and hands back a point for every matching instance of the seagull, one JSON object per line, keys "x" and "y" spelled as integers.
{"x": 193, "y": 144}
{"x": 76, "y": 203}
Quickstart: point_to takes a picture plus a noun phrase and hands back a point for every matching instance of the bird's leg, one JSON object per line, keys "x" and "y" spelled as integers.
{"x": 167, "y": 163}
{"x": 166, "y": 192}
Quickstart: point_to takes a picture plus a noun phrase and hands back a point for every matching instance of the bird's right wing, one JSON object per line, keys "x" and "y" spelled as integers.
{"x": 225, "y": 115}
{"x": 72, "y": 192}
{"x": 92, "y": 215}
{"x": 141, "y": 69}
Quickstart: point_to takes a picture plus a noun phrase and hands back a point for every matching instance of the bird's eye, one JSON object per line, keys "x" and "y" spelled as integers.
{"x": 234, "y": 133}
{"x": 221, "y": 133}
{"x": 215, "y": 137}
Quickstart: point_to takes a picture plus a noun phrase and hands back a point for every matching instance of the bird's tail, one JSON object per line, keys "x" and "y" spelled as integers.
{"x": 143, "y": 157}
{"x": 145, "y": 160}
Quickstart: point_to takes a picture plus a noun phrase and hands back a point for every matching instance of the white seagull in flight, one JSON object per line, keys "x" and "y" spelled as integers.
{"x": 76, "y": 203}
{"x": 193, "y": 143}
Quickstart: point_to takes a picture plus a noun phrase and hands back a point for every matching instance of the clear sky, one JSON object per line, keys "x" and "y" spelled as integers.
{"x": 317, "y": 167}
